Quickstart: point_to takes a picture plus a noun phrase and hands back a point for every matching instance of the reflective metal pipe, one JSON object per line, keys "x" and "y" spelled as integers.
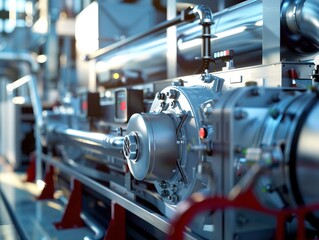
{"x": 308, "y": 20}
{"x": 301, "y": 22}
{"x": 238, "y": 28}
{"x": 98, "y": 139}
{"x": 307, "y": 160}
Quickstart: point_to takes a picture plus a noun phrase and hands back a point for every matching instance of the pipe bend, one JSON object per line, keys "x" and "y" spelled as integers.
{"x": 301, "y": 19}
{"x": 204, "y": 14}
{"x": 21, "y": 57}
{"x": 307, "y": 18}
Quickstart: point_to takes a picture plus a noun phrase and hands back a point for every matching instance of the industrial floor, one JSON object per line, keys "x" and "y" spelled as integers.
{"x": 22, "y": 216}
{"x": 7, "y": 227}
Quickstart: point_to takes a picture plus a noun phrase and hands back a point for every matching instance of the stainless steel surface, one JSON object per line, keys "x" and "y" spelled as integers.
{"x": 239, "y": 28}
{"x": 301, "y": 18}
{"x": 99, "y": 139}
{"x": 271, "y": 37}
{"x": 307, "y": 159}
{"x": 248, "y": 126}
{"x": 171, "y": 51}
{"x": 164, "y": 145}
{"x": 153, "y": 218}
{"x": 230, "y": 24}
{"x": 156, "y": 146}
{"x": 201, "y": 12}
{"x": 37, "y": 110}
{"x": 272, "y": 75}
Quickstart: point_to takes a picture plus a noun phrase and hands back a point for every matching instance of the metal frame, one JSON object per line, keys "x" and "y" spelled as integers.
{"x": 147, "y": 215}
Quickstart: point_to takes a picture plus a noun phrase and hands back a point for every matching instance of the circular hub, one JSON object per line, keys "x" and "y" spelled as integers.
{"x": 150, "y": 148}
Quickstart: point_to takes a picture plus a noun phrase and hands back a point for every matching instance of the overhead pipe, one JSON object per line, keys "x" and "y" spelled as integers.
{"x": 238, "y": 27}
{"x": 200, "y": 11}
{"x": 301, "y": 19}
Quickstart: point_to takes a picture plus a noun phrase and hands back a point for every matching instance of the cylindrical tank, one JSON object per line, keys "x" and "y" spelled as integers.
{"x": 238, "y": 28}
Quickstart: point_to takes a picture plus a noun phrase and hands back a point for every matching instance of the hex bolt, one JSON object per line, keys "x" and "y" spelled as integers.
{"x": 179, "y": 82}
{"x": 172, "y": 104}
{"x": 172, "y": 94}
{"x": 175, "y": 198}
{"x": 160, "y": 96}
{"x": 208, "y": 110}
{"x": 165, "y": 193}
{"x": 274, "y": 113}
{"x": 162, "y": 105}
{"x": 174, "y": 188}
{"x": 130, "y": 146}
{"x": 163, "y": 184}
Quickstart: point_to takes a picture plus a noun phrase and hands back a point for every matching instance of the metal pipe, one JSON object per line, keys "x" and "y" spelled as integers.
{"x": 200, "y": 11}
{"x": 99, "y": 139}
{"x": 238, "y": 28}
{"x": 21, "y": 57}
{"x": 301, "y": 18}
{"x": 159, "y": 27}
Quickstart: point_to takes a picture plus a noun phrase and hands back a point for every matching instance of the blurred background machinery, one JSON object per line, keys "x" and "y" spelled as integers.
{"x": 138, "y": 119}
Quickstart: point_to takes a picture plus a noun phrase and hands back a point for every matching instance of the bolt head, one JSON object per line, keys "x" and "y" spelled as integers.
{"x": 130, "y": 147}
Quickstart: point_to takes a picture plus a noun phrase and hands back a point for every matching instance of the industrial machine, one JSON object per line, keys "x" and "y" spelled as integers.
{"x": 231, "y": 120}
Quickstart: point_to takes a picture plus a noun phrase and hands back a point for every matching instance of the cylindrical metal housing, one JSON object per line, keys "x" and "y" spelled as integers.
{"x": 150, "y": 147}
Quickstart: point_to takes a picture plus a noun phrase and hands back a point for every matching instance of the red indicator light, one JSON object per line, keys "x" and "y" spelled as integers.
{"x": 292, "y": 73}
{"x": 84, "y": 105}
{"x": 123, "y": 106}
{"x": 202, "y": 133}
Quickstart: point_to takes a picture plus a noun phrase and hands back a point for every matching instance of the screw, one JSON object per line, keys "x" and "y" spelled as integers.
{"x": 175, "y": 198}
{"x": 208, "y": 110}
{"x": 163, "y": 184}
{"x": 165, "y": 193}
{"x": 174, "y": 188}
{"x": 274, "y": 113}
{"x": 172, "y": 94}
{"x": 179, "y": 82}
{"x": 160, "y": 96}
